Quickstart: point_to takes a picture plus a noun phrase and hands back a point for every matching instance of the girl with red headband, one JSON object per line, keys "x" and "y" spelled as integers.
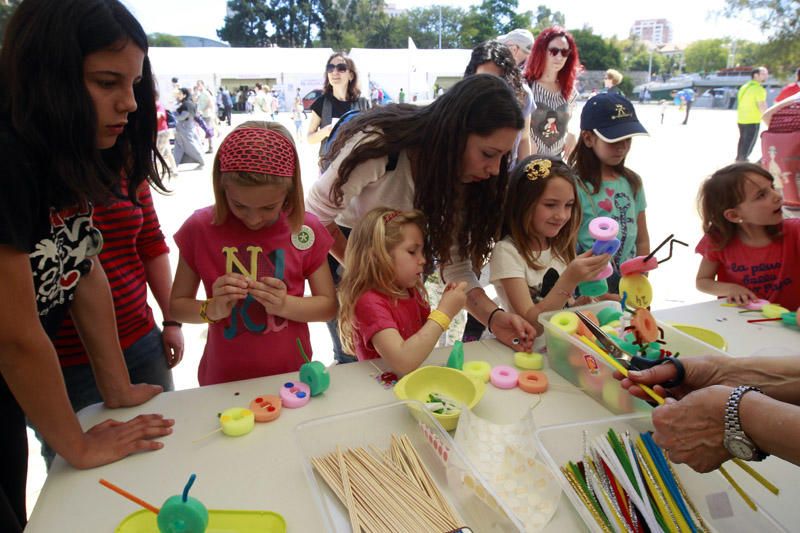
{"x": 253, "y": 250}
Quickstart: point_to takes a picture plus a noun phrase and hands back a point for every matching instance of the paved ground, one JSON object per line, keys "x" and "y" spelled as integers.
{"x": 672, "y": 161}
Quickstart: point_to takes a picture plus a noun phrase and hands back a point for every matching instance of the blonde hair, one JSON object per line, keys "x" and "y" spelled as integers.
{"x": 614, "y": 75}
{"x": 368, "y": 263}
{"x": 294, "y": 205}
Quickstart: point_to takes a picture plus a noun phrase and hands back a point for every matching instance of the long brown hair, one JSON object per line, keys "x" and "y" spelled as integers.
{"x": 590, "y": 169}
{"x": 465, "y": 215}
{"x": 368, "y": 264}
{"x": 722, "y": 191}
{"x": 523, "y": 197}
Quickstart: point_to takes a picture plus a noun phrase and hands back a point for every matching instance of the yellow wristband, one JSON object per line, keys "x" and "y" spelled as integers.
{"x": 440, "y": 318}
{"x": 204, "y": 312}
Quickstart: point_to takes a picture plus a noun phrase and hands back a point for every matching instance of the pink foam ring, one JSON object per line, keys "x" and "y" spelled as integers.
{"x": 637, "y": 265}
{"x": 295, "y": 394}
{"x": 606, "y": 272}
{"x": 504, "y": 377}
{"x": 603, "y": 228}
{"x": 756, "y": 305}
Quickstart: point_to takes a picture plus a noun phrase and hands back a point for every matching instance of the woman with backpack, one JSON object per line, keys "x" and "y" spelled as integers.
{"x": 449, "y": 160}
{"x": 341, "y": 94}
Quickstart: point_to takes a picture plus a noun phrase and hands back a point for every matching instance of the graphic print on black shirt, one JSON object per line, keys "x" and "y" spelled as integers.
{"x": 541, "y": 291}
{"x": 59, "y": 260}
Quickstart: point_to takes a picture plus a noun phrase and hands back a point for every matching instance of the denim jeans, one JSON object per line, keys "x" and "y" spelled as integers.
{"x": 146, "y": 364}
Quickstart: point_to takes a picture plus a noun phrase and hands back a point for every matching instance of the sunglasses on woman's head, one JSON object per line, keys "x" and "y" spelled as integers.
{"x": 554, "y": 51}
{"x": 341, "y": 67}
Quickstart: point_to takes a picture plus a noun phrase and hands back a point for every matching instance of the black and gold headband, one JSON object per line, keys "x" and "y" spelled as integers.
{"x": 538, "y": 168}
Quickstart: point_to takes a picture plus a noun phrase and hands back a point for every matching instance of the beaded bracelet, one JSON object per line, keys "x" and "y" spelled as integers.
{"x": 204, "y": 312}
{"x": 440, "y": 318}
{"x": 491, "y": 315}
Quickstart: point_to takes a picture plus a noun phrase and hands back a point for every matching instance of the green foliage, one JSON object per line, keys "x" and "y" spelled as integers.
{"x": 707, "y": 55}
{"x": 595, "y": 52}
{"x": 544, "y": 18}
{"x": 5, "y": 14}
{"x": 780, "y": 21}
{"x": 289, "y": 23}
{"x": 164, "y": 40}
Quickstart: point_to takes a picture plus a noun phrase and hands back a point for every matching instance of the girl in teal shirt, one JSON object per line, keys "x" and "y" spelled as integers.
{"x": 607, "y": 188}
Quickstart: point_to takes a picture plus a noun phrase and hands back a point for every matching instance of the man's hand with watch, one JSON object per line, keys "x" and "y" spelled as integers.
{"x": 735, "y": 440}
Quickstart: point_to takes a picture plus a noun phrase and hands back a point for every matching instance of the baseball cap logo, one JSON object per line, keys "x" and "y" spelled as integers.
{"x": 621, "y": 112}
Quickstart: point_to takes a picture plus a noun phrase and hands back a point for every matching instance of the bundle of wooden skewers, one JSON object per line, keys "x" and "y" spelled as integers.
{"x": 387, "y": 491}
{"x": 628, "y": 485}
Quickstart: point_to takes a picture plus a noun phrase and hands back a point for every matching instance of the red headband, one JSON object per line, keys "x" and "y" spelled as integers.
{"x": 391, "y": 215}
{"x": 257, "y": 150}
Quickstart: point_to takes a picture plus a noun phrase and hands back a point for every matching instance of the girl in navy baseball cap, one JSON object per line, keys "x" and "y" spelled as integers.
{"x": 606, "y": 187}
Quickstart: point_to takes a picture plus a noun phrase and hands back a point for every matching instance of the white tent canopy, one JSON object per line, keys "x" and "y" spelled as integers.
{"x": 288, "y": 69}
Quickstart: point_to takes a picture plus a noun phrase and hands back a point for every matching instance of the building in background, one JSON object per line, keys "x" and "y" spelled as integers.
{"x": 657, "y": 31}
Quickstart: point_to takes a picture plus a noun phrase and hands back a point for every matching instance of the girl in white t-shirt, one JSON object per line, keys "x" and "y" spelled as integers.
{"x": 534, "y": 267}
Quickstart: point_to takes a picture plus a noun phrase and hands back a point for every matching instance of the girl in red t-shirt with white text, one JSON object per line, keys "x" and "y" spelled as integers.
{"x": 384, "y": 308}
{"x": 749, "y": 251}
{"x": 253, "y": 250}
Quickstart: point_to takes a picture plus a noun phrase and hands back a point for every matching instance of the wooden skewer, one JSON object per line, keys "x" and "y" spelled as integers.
{"x": 131, "y": 497}
{"x": 764, "y": 320}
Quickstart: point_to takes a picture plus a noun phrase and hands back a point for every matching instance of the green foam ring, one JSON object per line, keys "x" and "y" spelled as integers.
{"x": 316, "y": 376}
{"x": 789, "y": 319}
{"x": 608, "y": 314}
{"x": 593, "y": 288}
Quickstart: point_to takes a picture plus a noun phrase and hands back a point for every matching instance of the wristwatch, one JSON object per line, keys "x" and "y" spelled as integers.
{"x": 735, "y": 440}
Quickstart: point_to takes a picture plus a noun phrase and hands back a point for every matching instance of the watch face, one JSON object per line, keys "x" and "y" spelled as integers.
{"x": 739, "y": 448}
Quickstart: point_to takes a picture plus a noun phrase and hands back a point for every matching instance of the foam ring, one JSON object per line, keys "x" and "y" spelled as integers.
{"x": 773, "y": 311}
{"x": 593, "y": 288}
{"x": 478, "y": 369}
{"x": 637, "y": 265}
{"x": 566, "y": 321}
{"x": 237, "y": 421}
{"x": 603, "y": 228}
{"x": 528, "y": 360}
{"x": 266, "y": 407}
{"x": 504, "y": 377}
{"x": 644, "y": 325}
{"x": 605, "y": 273}
{"x": 756, "y": 305}
{"x": 608, "y": 314}
{"x": 609, "y": 247}
{"x": 532, "y": 381}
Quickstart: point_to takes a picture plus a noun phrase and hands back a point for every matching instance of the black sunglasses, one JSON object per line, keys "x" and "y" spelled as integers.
{"x": 555, "y": 51}
{"x": 341, "y": 67}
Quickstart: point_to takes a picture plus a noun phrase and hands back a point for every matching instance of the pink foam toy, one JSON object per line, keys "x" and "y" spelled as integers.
{"x": 603, "y": 228}
{"x": 295, "y": 394}
{"x": 504, "y": 377}
{"x": 606, "y": 272}
{"x": 637, "y": 265}
{"x": 756, "y": 305}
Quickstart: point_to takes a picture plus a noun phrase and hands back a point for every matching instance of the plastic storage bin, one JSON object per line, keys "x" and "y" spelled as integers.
{"x": 456, "y": 478}
{"x": 719, "y": 504}
{"x": 585, "y": 369}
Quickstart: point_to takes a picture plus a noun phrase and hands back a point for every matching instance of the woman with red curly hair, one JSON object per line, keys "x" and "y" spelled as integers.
{"x": 551, "y": 70}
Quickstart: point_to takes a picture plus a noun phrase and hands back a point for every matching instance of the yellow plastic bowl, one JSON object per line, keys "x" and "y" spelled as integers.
{"x": 704, "y": 334}
{"x": 453, "y": 383}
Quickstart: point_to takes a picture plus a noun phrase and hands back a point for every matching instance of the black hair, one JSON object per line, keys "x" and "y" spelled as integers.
{"x": 42, "y": 90}
{"x": 497, "y": 53}
{"x": 468, "y": 216}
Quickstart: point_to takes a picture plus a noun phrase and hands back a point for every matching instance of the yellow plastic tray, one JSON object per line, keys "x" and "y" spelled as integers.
{"x": 218, "y": 522}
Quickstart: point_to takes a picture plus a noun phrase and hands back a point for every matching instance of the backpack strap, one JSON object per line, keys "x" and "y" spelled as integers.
{"x": 327, "y": 111}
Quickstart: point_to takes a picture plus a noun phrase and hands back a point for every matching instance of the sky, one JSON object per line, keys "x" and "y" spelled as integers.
{"x": 691, "y": 19}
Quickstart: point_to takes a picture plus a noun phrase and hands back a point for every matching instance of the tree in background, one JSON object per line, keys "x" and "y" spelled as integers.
{"x": 544, "y": 18}
{"x": 780, "y": 21}
{"x": 707, "y": 55}
{"x": 164, "y": 40}
{"x": 595, "y": 52}
{"x": 5, "y": 13}
{"x": 288, "y": 23}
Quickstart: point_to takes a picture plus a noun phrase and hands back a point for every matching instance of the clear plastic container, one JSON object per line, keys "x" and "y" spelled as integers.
{"x": 456, "y": 478}
{"x": 584, "y": 368}
{"x": 719, "y": 504}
